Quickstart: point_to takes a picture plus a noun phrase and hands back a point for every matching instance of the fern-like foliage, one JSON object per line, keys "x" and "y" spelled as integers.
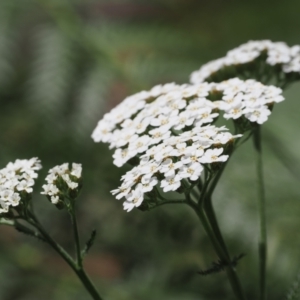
{"x": 293, "y": 293}
{"x": 90, "y": 99}
{"x": 7, "y": 43}
{"x": 51, "y": 75}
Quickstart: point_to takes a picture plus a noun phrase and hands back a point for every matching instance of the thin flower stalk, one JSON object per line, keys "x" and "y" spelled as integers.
{"x": 262, "y": 214}
{"x": 76, "y": 236}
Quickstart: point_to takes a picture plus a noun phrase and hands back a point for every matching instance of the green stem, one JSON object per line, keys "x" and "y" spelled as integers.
{"x": 170, "y": 202}
{"x": 68, "y": 259}
{"x": 76, "y": 237}
{"x": 262, "y": 214}
{"x": 201, "y": 215}
{"x": 231, "y": 272}
{"x": 214, "y": 224}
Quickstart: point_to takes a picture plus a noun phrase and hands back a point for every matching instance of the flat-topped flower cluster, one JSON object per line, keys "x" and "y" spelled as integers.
{"x": 16, "y": 181}
{"x": 170, "y": 130}
{"x": 174, "y": 159}
{"x": 61, "y": 178}
{"x": 277, "y": 54}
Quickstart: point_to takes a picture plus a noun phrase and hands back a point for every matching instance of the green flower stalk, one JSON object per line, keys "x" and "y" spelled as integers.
{"x": 262, "y": 214}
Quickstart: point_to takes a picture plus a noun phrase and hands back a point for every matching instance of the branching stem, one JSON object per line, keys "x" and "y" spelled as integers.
{"x": 76, "y": 267}
{"x": 230, "y": 270}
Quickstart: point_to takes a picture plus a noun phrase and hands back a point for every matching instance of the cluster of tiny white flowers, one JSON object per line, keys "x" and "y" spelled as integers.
{"x": 16, "y": 178}
{"x": 169, "y": 129}
{"x": 247, "y": 98}
{"x": 174, "y": 159}
{"x": 278, "y": 53}
{"x": 69, "y": 176}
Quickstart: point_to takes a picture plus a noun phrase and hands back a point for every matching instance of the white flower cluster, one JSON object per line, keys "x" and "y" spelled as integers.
{"x": 62, "y": 172}
{"x": 174, "y": 159}
{"x": 17, "y": 178}
{"x": 169, "y": 129}
{"x": 278, "y": 53}
{"x": 249, "y": 98}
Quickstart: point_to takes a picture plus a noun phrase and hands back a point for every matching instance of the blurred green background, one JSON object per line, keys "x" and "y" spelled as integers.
{"x": 63, "y": 64}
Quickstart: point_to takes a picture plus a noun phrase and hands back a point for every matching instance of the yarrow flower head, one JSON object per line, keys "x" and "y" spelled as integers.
{"x": 63, "y": 184}
{"x": 168, "y": 133}
{"x": 16, "y": 183}
{"x": 275, "y": 56}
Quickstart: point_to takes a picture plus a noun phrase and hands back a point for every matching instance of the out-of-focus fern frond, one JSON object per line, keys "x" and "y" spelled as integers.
{"x": 51, "y": 75}
{"x": 293, "y": 293}
{"x": 7, "y": 44}
{"x": 91, "y": 99}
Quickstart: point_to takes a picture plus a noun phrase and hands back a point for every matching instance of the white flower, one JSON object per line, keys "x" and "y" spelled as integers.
{"x": 121, "y": 156}
{"x": 195, "y": 106}
{"x": 148, "y": 183}
{"x": 200, "y": 145}
{"x": 25, "y": 185}
{"x": 134, "y": 199}
{"x": 11, "y": 183}
{"x": 180, "y": 149}
{"x": 171, "y": 183}
{"x": 191, "y": 157}
{"x": 205, "y": 116}
{"x": 139, "y": 145}
{"x": 183, "y": 119}
{"x": 168, "y": 167}
{"x": 151, "y": 167}
{"x": 102, "y": 132}
{"x": 122, "y": 191}
{"x": 159, "y": 134}
{"x": 72, "y": 185}
{"x": 213, "y": 155}
{"x": 176, "y": 105}
{"x": 6, "y": 195}
{"x": 132, "y": 176}
{"x": 15, "y": 199}
{"x": 251, "y": 100}
{"x": 140, "y": 125}
{"x": 54, "y": 199}
{"x": 76, "y": 170}
{"x": 232, "y": 99}
{"x": 191, "y": 171}
{"x": 163, "y": 120}
{"x": 50, "y": 189}
{"x": 258, "y": 115}
{"x": 4, "y": 206}
{"x": 235, "y": 111}
{"x": 163, "y": 151}
{"x": 225, "y": 137}
{"x": 123, "y": 137}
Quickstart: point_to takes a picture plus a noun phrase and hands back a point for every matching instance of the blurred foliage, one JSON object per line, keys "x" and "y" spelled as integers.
{"x": 63, "y": 64}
